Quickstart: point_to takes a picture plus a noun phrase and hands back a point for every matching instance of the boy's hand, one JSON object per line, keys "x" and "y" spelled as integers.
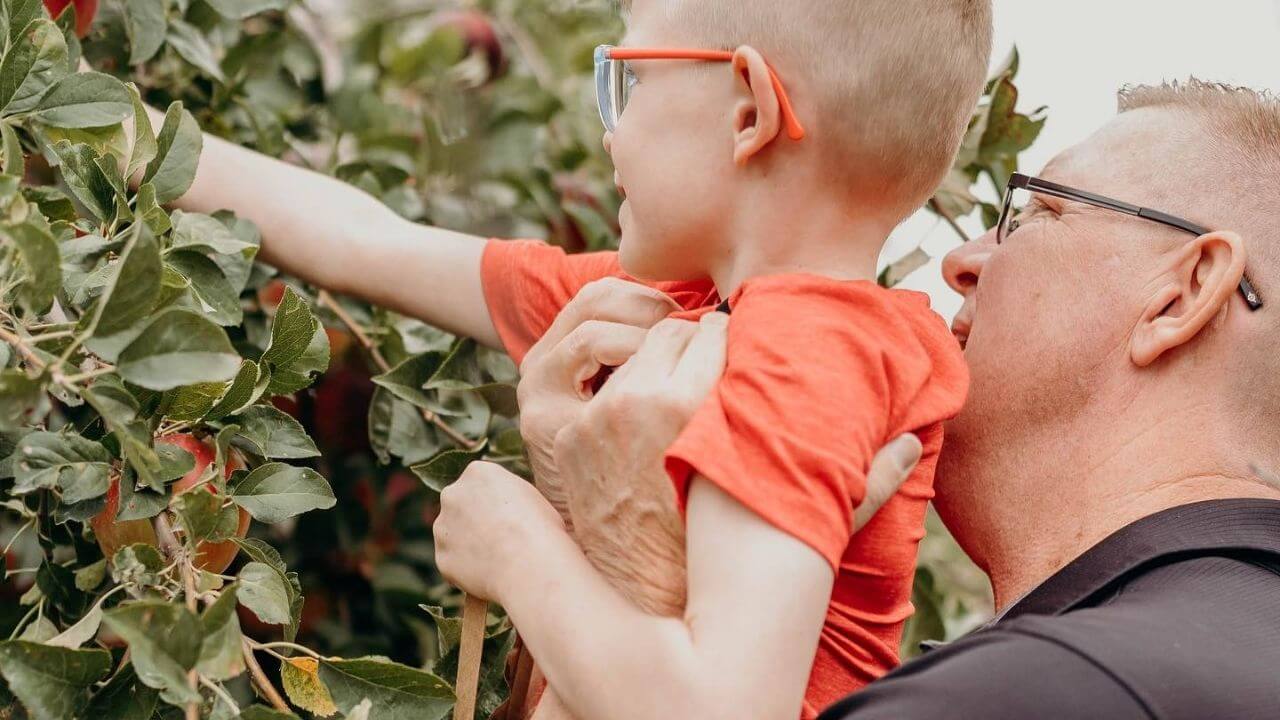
{"x": 601, "y": 327}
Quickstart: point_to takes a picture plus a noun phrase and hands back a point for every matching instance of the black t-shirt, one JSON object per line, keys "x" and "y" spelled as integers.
{"x": 1176, "y": 616}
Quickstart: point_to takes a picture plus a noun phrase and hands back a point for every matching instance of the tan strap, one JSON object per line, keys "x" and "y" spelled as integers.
{"x": 475, "y": 612}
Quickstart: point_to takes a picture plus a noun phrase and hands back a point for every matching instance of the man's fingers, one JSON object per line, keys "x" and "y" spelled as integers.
{"x": 889, "y": 469}
{"x": 591, "y": 346}
{"x": 610, "y": 300}
{"x": 656, "y": 359}
{"x": 700, "y": 367}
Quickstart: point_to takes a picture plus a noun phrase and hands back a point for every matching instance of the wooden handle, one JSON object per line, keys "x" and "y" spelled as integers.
{"x": 475, "y": 611}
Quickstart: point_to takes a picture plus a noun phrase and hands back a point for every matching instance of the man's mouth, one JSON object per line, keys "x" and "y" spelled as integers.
{"x": 617, "y": 183}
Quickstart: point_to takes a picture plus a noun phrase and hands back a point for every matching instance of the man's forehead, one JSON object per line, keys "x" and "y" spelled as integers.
{"x": 1134, "y": 150}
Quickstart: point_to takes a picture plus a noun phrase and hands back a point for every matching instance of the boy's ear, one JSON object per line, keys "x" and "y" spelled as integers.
{"x": 1205, "y": 275}
{"x": 757, "y": 115}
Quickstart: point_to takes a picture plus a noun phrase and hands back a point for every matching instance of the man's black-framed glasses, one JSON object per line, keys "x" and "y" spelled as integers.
{"x": 1008, "y": 222}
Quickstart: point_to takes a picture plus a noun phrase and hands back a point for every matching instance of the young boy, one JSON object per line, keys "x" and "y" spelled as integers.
{"x": 763, "y": 181}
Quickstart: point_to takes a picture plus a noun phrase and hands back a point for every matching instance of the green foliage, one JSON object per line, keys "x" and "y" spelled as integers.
{"x": 331, "y": 423}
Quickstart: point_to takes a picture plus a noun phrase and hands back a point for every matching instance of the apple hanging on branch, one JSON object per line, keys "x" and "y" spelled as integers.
{"x": 86, "y": 10}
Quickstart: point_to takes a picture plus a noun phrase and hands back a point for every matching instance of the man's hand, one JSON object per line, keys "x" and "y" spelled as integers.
{"x": 602, "y": 326}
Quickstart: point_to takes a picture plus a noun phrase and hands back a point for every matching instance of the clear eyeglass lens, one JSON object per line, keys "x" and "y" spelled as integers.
{"x": 1016, "y": 199}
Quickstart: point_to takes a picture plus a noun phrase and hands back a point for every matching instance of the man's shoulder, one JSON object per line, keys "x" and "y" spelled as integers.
{"x": 1193, "y": 637}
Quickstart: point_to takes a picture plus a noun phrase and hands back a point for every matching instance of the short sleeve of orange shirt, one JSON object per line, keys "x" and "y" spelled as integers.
{"x": 820, "y": 374}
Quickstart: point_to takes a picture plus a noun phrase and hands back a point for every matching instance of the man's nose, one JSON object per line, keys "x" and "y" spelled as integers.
{"x": 963, "y": 266}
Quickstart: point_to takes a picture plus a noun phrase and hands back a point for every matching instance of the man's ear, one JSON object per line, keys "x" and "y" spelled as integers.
{"x": 757, "y": 116}
{"x": 1205, "y": 275}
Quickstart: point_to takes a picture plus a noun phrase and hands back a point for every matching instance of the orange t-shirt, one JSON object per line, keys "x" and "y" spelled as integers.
{"x": 820, "y": 374}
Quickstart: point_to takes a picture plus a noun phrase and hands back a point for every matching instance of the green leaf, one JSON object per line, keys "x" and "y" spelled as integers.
{"x": 84, "y": 178}
{"x": 131, "y": 293}
{"x": 220, "y": 301}
{"x": 205, "y": 233}
{"x": 89, "y": 577}
{"x": 51, "y": 682}
{"x": 137, "y": 564}
{"x": 178, "y": 146}
{"x": 164, "y": 643}
{"x": 407, "y": 379}
{"x": 84, "y": 629}
{"x": 194, "y": 47}
{"x": 291, "y": 331}
{"x": 46, "y": 459}
{"x": 191, "y": 402}
{"x": 240, "y": 9}
{"x": 19, "y": 14}
{"x": 149, "y": 211}
{"x": 31, "y": 66}
{"x": 179, "y": 347}
{"x": 263, "y": 592}
{"x": 220, "y": 652}
{"x": 11, "y": 149}
{"x": 123, "y": 698}
{"x": 19, "y": 397}
{"x": 445, "y": 467}
{"x": 238, "y": 394}
{"x": 300, "y": 678}
{"x": 146, "y": 24}
{"x": 43, "y": 269}
{"x": 397, "y": 692}
{"x": 273, "y": 433}
{"x": 304, "y": 369}
{"x": 84, "y": 100}
{"x": 145, "y": 146}
{"x": 274, "y": 492}
{"x": 198, "y": 512}
{"x": 261, "y": 552}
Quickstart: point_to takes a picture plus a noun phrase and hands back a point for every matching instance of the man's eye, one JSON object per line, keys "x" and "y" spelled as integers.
{"x": 629, "y": 77}
{"x": 1013, "y": 225}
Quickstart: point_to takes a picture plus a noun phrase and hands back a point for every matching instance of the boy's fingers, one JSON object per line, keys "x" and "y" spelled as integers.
{"x": 611, "y": 300}
{"x": 700, "y": 367}
{"x": 889, "y": 469}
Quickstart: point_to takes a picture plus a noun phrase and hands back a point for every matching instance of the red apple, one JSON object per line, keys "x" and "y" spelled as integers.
{"x": 85, "y": 11}
{"x": 114, "y": 534}
{"x": 211, "y": 556}
{"x": 478, "y": 33}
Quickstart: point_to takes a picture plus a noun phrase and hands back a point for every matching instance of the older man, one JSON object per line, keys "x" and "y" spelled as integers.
{"x": 1107, "y": 472}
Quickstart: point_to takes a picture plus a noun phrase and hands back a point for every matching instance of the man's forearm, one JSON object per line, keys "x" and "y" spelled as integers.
{"x": 603, "y": 655}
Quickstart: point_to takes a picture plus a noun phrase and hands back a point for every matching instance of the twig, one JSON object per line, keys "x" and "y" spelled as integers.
{"x": 31, "y": 356}
{"x": 260, "y": 678}
{"x": 935, "y": 206}
{"x": 193, "y": 676}
{"x": 222, "y": 694}
{"x": 291, "y": 646}
{"x": 363, "y": 338}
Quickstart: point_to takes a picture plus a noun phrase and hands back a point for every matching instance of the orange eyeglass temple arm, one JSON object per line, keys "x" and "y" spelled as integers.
{"x": 794, "y": 129}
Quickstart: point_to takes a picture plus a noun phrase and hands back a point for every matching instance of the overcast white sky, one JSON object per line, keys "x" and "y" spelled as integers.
{"x": 1074, "y": 57}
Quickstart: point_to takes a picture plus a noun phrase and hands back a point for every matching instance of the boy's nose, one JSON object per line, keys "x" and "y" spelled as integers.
{"x": 963, "y": 266}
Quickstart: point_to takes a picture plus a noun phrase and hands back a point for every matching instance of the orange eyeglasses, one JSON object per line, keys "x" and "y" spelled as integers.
{"x": 614, "y": 80}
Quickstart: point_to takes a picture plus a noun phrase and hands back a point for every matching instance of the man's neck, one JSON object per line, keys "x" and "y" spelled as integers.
{"x": 1104, "y": 484}
{"x": 817, "y": 237}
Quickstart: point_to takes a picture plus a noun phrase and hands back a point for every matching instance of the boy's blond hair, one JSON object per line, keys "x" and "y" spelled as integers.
{"x": 886, "y": 87}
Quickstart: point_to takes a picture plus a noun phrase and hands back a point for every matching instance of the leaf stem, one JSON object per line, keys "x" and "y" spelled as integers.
{"x": 291, "y": 646}
{"x": 936, "y": 206}
{"x": 363, "y": 338}
{"x": 221, "y": 693}
{"x": 18, "y": 628}
{"x": 260, "y": 678}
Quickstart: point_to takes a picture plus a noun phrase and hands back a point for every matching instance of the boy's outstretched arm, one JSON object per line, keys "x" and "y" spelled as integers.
{"x": 340, "y": 238}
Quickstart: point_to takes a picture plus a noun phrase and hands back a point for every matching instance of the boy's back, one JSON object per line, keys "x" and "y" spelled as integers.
{"x": 820, "y": 373}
